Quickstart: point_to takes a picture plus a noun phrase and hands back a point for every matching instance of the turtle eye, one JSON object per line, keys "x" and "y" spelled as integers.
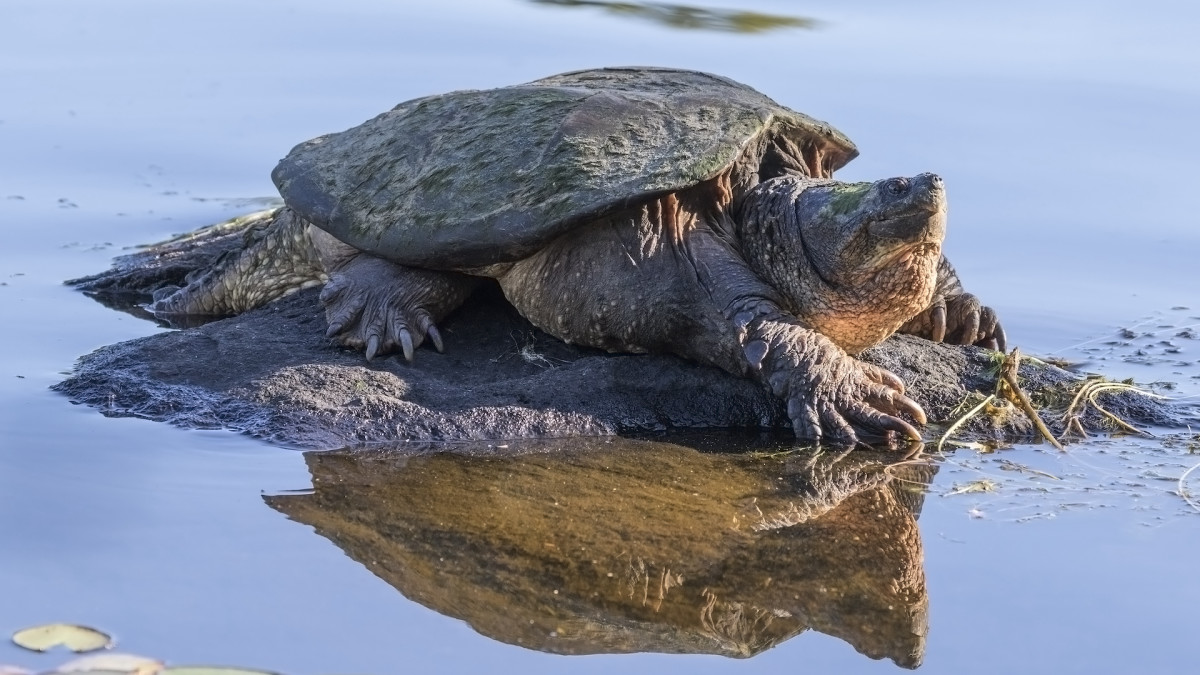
{"x": 897, "y": 186}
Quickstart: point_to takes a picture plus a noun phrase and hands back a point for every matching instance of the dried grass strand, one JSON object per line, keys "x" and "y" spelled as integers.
{"x": 1008, "y": 386}
{"x": 1183, "y": 491}
{"x": 962, "y": 420}
{"x": 1087, "y": 395}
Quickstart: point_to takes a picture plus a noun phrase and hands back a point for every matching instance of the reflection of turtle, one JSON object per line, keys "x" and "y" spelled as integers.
{"x": 634, "y": 210}
{"x": 743, "y": 551}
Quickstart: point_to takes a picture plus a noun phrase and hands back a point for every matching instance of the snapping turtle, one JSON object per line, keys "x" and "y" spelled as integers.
{"x": 630, "y": 209}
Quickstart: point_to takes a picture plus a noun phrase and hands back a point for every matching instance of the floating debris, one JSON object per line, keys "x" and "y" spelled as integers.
{"x": 1009, "y": 465}
{"x": 983, "y": 485}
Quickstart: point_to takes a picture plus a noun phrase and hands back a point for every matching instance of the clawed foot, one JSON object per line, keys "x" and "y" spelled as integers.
{"x": 831, "y": 397}
{"x": 959, "y": 320}
{"x": 380, "y": 307}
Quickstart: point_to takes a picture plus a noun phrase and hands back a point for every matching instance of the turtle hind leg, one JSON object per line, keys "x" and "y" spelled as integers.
{"x": 380, "y": 306}
{"x": 277, "y": 258}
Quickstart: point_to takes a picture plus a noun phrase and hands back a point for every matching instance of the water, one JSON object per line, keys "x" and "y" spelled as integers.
{"x": 1067, "y": 138}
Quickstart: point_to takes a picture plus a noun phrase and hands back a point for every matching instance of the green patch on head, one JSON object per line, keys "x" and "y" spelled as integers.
{"x": 847, "y": 197}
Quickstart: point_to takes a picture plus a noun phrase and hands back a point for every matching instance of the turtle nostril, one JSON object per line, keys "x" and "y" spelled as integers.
{"x": 897, "y": 186}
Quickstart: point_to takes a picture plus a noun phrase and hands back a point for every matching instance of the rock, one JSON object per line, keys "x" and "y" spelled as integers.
{"x": 272, "y": 374}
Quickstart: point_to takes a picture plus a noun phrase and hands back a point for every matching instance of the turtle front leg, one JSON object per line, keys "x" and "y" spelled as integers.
{"x": 380, "y": 307}
{"x": 956, "y": 317}
{"x": 831, "y": 396}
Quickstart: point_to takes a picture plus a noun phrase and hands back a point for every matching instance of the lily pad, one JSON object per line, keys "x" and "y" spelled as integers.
{"x": 73, "y": 637}
{"x": 103, "y": 671}
{"x": 104, "y": 664}
{"x": 211, "y": 670}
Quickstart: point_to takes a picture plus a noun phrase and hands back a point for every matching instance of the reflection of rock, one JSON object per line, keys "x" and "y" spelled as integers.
{"x": 590, "y": 546}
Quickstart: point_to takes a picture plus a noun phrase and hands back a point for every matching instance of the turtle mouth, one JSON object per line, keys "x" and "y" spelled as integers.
{"x": 918, "y": 225}
{"x": 897, "y": 218}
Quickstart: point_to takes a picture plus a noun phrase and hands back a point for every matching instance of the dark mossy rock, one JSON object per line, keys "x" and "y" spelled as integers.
{"x": 271, "y": 373}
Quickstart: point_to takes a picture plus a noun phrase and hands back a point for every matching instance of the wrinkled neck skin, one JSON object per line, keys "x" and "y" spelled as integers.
{"x": 851, "y": 261}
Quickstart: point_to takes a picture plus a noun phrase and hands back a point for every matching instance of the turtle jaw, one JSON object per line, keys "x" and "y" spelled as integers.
{"x": 879, "y": 254}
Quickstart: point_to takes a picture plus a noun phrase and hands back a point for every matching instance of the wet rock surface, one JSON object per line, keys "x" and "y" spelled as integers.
{"x": 271, "y": 373}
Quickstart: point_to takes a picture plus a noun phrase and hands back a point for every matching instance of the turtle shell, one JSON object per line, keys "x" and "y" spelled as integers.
{"x": 473, "y": 178}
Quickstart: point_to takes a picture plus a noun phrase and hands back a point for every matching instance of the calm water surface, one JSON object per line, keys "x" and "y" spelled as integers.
{"x": 1068, "y": 142}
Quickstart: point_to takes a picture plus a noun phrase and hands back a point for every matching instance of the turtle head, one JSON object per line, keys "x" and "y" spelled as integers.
{"x": 853, "y": 260}
{"x": 853, "y": 231}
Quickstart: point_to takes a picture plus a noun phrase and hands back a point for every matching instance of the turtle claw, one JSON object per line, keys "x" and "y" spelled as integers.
{"x": 432, "y": 333}
{"x": 406, "y": 343}
{"x": 959, "y": 320}
{"x": 832, "y": 398}
{"x": 884, "y": 377}
{"x": 914, "y": 410}
{"x": 374, "y": 305}
{"x": 385, "y": 327}
{"x": 372, "y": 347}
{"x": 937, "y": 316}
{"x": 1000, "y": 338}
{"x": 980, "y": 326}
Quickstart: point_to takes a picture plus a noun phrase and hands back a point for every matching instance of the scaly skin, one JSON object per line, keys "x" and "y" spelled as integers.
{"x": 673, "y": 275}
{"x": 277, "y": 259}
{"x": 783, "y": 284}
{"x": 956, "y": 317}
